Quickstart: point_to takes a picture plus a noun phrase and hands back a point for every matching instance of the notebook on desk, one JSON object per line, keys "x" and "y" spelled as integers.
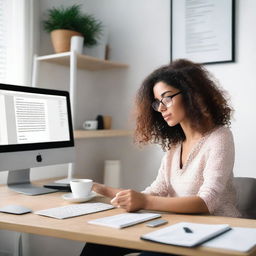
{"x": 186, "y": 234}
{"x": 237, "y": 239}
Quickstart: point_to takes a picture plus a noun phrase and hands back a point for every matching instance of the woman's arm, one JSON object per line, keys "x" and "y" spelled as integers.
{"x": 191, "y": 204}
{"x": 105, "y": 190}
{"x": 133, "y": 201}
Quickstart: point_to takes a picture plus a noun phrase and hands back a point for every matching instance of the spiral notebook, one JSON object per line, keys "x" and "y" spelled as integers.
{"x": 186, "y": 234}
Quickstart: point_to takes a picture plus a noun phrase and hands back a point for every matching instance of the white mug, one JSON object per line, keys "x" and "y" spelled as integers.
{"x": 81, "y": 187}
{"x": 77, "y": 43}
{"x": 90, "y": 125}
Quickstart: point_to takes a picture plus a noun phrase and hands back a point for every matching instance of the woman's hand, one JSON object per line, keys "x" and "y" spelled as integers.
{"x": 130, "y": 200}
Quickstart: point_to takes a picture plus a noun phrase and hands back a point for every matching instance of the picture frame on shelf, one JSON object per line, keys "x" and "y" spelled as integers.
{"x": 203, "y": 31}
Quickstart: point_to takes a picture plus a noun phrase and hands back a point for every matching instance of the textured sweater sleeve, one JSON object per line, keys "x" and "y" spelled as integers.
{"x": 218, "y": 169}
{"x": 159, "y": 186}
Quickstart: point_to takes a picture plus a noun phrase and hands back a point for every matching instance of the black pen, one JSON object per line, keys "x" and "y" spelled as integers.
{"x": 187, "y": 230}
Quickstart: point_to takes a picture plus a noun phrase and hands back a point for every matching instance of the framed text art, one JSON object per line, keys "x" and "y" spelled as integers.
{"x": 203, "y": 30}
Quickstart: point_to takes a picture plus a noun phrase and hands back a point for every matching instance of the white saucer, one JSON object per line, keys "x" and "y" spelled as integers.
{"x": 69, "y": 197}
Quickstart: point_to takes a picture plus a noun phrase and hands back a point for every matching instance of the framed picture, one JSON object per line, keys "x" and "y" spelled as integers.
{"x": 203, "y": 31}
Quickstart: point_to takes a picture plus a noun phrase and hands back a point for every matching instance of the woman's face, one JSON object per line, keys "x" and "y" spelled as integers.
{"x": 175, "y": 113}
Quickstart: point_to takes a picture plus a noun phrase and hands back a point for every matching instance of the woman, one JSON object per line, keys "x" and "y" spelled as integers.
{"x": 180, "y": 107}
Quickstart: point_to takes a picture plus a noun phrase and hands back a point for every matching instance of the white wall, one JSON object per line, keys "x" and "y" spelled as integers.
{"x": 142, "y": 29}
{"x": 140, "y": 37}
{"x": 239, "y": 80}
{"x": 112, "y": 92}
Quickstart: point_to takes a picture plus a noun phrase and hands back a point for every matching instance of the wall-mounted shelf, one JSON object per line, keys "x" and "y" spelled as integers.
{"x": 77, "y": 61}
{"x": 83, "y": 61}
{"x": 82, "y": 134}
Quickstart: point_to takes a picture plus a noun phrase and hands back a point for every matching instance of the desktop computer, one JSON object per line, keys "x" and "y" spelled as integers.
{"x": 35, "y": 130}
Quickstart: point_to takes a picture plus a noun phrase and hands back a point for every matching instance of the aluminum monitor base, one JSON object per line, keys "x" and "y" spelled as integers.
{"x": 18, "y": 180}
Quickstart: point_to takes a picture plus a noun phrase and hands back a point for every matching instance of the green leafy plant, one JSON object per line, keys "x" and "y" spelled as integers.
{"x": 71, "y": 18}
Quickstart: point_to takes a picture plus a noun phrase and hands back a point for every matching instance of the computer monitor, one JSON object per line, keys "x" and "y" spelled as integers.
{"x": 35, "y": 130}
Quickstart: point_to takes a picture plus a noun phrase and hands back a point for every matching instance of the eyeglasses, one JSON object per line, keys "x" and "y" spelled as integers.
{"x": 166, "y": 101}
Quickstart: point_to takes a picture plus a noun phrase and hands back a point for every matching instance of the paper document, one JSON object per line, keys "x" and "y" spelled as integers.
{"x": 238, "y": 239}
{"x": 124, "y": 219}
{"x": 186, "y": 233}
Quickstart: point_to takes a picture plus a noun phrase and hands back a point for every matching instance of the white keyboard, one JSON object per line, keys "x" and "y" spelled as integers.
{"x": 124, "y": 219}
{"x": 73, "y": 210}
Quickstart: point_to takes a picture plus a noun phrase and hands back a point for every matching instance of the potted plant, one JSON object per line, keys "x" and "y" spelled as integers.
{"x": 63, "y": 23}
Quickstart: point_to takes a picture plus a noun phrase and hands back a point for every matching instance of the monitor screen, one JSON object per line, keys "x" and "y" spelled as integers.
{"x": 33, "y": 118}
{"x": 35, "y": 129}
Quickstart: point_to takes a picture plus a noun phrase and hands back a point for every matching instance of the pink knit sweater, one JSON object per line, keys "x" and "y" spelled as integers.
{"x": 208, "y": 173}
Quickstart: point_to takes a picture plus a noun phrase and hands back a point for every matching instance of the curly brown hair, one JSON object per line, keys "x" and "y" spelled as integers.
{"x": 204, "y": 102}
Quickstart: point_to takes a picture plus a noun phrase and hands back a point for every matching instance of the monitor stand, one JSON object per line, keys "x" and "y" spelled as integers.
{"x": 19, "y": 181}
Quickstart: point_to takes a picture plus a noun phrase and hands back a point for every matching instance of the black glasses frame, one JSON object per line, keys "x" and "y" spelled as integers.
{"x": 156, "y": 103}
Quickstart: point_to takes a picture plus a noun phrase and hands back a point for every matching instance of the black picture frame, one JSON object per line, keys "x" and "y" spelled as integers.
{"x": 203, "y": 32}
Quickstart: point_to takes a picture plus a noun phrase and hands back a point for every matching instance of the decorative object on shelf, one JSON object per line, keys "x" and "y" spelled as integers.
{"x": 112, "y": 173}
{"x": 77, "y": 44}
{"x": 107, "y": 122}
{"x": 99, "y": 118}
{"x": 60, "y": 20}
{"x": 90, "y": 125}
{"x": 61, "y": 39}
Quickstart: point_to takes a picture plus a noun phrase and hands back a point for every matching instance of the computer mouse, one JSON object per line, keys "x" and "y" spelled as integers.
{"x": 15, "y": 209}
